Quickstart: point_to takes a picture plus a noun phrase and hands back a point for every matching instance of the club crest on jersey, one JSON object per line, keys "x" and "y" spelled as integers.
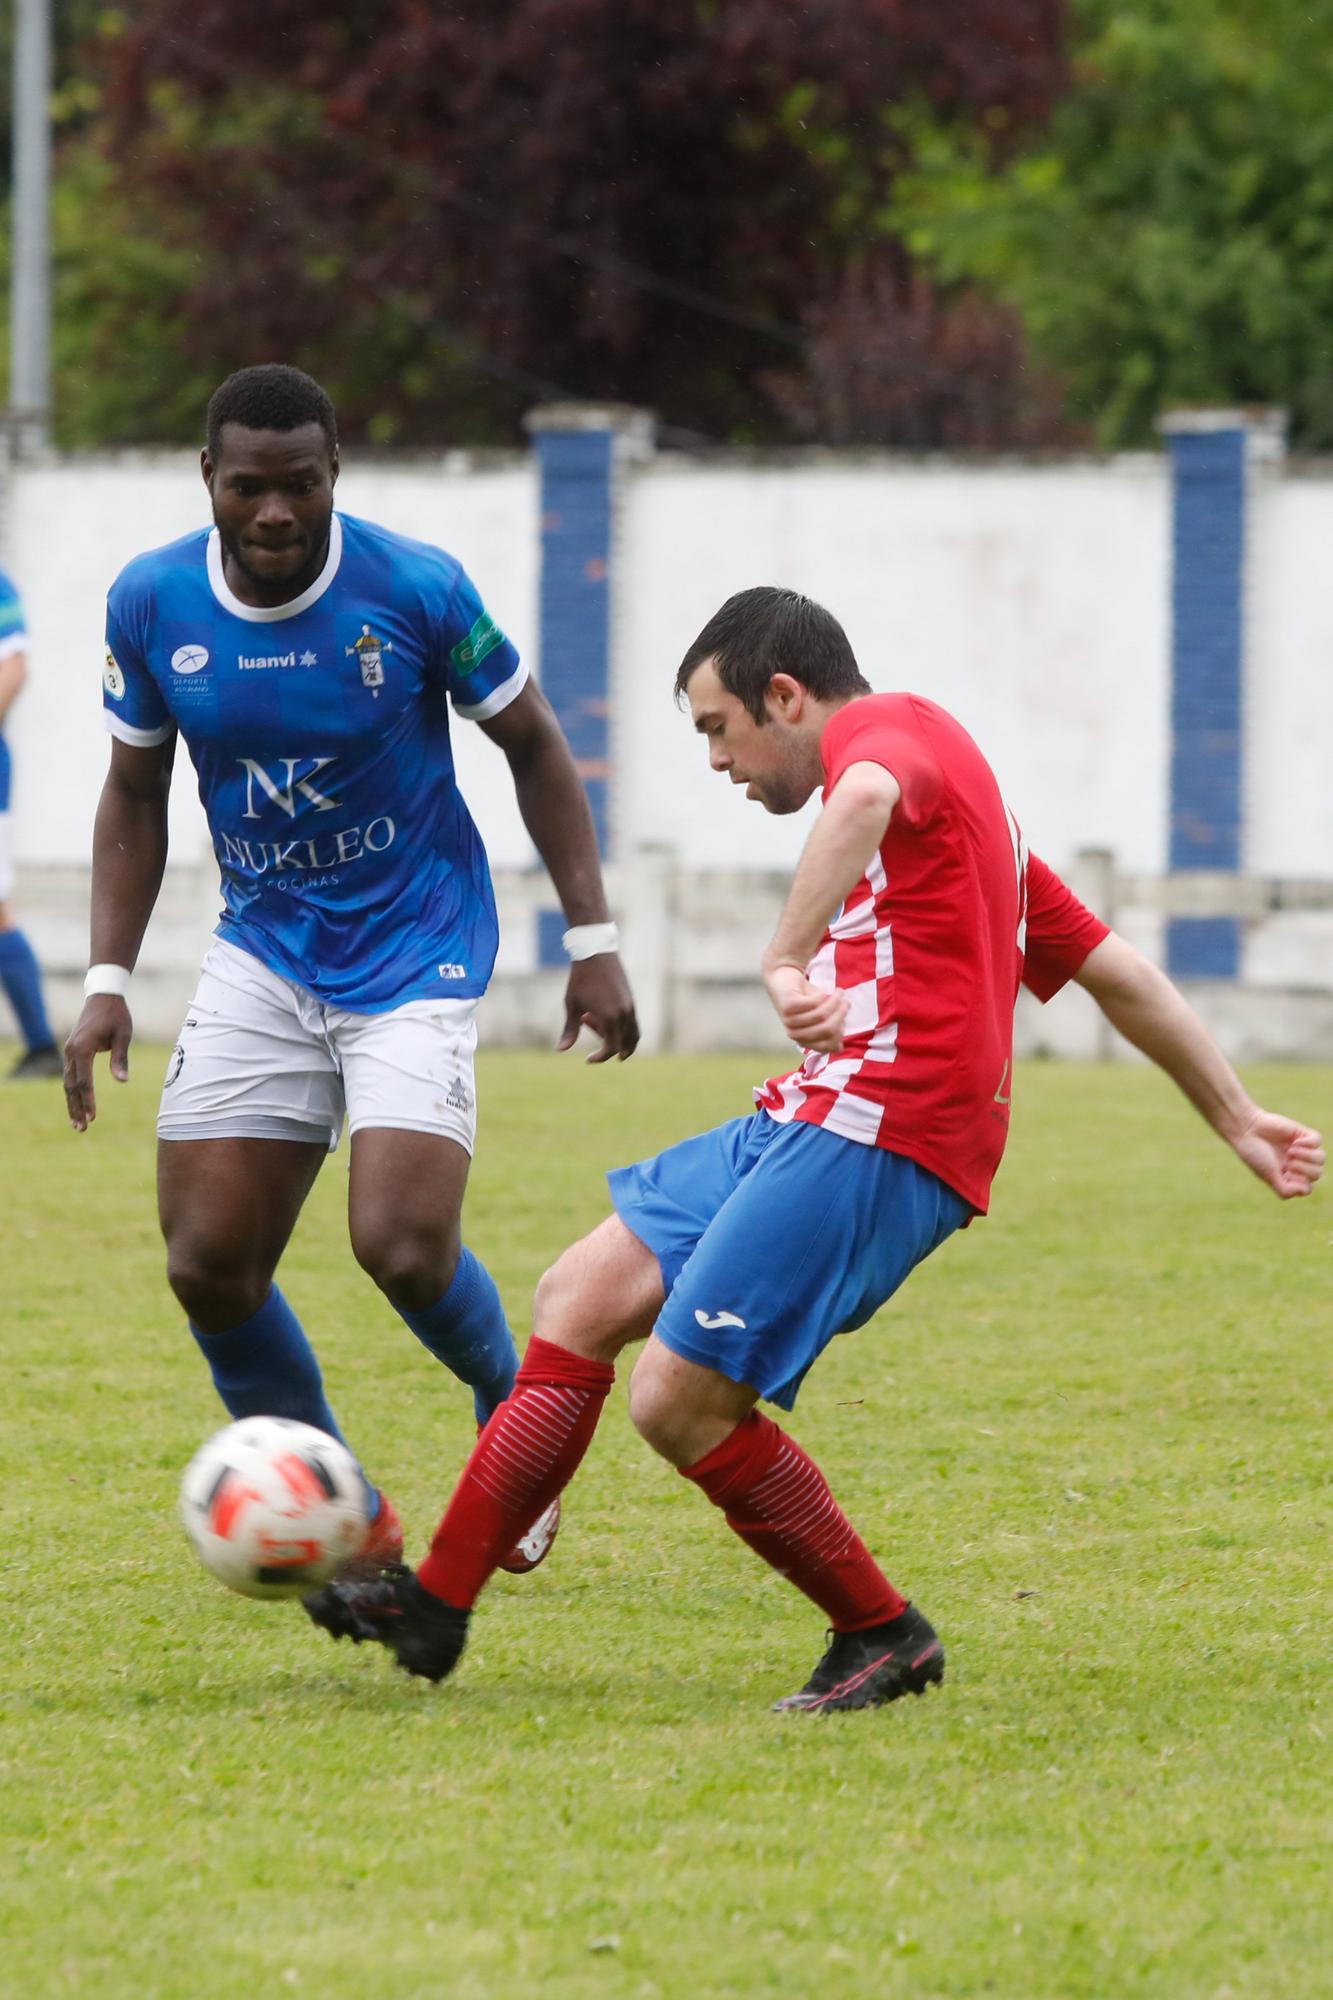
{"x": 113, "y": 680}
{"x": 370, "y": 653}
{"x": 189, "y": 659}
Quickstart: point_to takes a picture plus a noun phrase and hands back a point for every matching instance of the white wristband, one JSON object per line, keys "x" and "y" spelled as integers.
{"x": 107, "y": 979}
{"x": 590, "y": 940}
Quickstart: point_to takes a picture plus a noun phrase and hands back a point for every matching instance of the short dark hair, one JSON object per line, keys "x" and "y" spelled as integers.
{"x": 767, "y": 631}
{"x": 272, "y": 397}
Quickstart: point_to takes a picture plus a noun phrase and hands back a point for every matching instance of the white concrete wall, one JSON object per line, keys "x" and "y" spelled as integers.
{"x": 1032, "y": 601}
{"x": 1289, "y": 688}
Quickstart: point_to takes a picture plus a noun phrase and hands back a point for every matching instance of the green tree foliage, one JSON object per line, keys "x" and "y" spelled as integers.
{"x": 74, "y": 23}
{"x": 1169, "y": 240}
{"x": 449, "y": 213}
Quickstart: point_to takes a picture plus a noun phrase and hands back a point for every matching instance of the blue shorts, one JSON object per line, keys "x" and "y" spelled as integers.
{"x": 772, "y": 1238}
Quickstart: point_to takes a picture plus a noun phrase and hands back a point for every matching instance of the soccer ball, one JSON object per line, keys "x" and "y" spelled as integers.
{"x": 273, "y": 1507}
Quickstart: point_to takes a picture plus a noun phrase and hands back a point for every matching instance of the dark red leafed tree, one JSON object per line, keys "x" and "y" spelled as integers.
{"x": 452, "y": 210}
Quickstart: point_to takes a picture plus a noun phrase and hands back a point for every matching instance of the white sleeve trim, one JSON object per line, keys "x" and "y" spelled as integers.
{"x": 142, "y": 739}
{"x": 16, "y": 642}
{"x": 498, "y": 699}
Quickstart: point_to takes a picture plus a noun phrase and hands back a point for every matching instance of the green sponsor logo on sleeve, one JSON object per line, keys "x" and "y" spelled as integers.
{"x": 484, "y": 637}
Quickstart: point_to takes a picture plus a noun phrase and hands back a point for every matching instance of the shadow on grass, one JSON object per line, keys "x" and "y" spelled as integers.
{"x": 653, "y": 1696}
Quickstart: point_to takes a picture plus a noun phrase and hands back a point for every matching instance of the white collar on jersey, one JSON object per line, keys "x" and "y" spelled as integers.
{"x": 268, "y": 614}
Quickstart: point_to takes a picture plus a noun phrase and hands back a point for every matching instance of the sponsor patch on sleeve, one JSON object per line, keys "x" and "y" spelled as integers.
{"x": 113, "y": 680}
{"x": 484, "y": 637}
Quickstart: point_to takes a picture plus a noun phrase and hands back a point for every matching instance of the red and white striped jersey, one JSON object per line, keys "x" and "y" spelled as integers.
{"x": 930, "y": 947}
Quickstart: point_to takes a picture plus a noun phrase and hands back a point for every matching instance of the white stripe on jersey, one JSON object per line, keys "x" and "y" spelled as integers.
{"x": 822, "y": 970}
{"x": 497, "y": 700}
{"x": 883, "y": 1045}
{"x": 820, "y": 1078}
{"x": 862, "y": 1008}
{"x": 142, "y": 739}
{"x": 859, "y": 921}
{"x": 855, "y": 1118}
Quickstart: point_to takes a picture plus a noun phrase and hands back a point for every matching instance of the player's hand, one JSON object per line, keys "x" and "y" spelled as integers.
{"x": 1288, "y": 1157}
{"x": 105, "y": 1023}
{"x": 811, "y": 1015}
{"x": 598, "y": 997}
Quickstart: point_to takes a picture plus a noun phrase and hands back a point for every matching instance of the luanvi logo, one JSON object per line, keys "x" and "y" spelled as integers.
{"x": 254, "y": 662}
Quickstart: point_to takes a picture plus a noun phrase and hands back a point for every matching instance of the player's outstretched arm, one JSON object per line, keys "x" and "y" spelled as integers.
{"x": 555, "y": 811}
{"x": 1150, "y": 1012}
{"x": 129, "y": 854}
{"x": 837, "y": 854}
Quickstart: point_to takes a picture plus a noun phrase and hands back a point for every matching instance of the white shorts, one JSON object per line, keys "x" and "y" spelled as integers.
{"x": 261, "y": 1058}
{"x": 6, "y": 858}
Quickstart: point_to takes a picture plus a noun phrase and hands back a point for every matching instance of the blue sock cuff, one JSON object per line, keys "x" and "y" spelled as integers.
{"x": 467, "y": 1330}
{"x": 454, "y": 1304}
{"x": 237, "y": 1343}
{"x": 265, "y": 1367}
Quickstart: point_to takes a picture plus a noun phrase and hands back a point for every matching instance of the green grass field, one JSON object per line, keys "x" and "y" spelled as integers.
{"x": 1090, "y": 1438}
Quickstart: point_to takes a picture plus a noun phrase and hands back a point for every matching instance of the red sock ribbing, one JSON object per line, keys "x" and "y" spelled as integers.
{"x": 778, "y": 1501}
{"x": 528, "y": 1452}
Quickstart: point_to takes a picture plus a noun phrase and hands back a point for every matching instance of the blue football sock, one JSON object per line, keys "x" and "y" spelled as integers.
{"x": 467, "y": 1331}
{"x": 265, "y": 1367}
{"x": 22, "y": 981}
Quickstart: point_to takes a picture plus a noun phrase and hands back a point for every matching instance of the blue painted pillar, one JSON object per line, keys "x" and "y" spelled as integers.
{"x": 581, "y": 454}
{"x": 1213, "y": 458}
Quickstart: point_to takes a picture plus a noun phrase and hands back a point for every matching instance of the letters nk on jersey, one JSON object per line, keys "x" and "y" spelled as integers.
{"x": 319, "y": 731}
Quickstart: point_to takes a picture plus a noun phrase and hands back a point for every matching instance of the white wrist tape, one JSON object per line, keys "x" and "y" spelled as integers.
{"x": 590, "y": 940}
{"x": 107, "y": 979}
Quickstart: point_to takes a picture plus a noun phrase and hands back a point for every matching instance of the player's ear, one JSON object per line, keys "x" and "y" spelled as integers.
{"x": 206, "y": 467}
{"x": 786, "y": 697}
{"x": 333, "y": 466}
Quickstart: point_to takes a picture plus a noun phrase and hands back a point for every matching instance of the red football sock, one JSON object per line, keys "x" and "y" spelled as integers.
{"x": 528, "y": 1452}
{"x": 778, "y": 1501}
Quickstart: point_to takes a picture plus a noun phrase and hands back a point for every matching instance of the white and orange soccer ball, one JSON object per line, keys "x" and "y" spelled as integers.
{"x": 273, "y": 1507}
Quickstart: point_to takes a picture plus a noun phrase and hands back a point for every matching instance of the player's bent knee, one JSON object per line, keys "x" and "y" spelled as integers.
{"x": 216, "y": 1293}
{"x": 681, "y": 1408}
{"x": 411, "y": 1273}
{"x": 656, "y": 1409}
{"x": 574, "y": 1309}
{"x": 562, "y": 1312}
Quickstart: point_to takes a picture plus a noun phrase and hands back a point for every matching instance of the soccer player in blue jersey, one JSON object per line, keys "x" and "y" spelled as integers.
{"x": 309, "y": 661}
{"x": 19, "y": 973}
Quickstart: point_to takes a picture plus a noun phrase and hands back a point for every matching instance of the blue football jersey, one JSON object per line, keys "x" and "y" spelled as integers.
{"x": 13, "y": 631}
{"x": 319, "y": 730}
{"x": 13, "y": 639}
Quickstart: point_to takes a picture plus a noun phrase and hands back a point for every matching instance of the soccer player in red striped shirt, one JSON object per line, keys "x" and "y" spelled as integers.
{"x": 915, "y": 913}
